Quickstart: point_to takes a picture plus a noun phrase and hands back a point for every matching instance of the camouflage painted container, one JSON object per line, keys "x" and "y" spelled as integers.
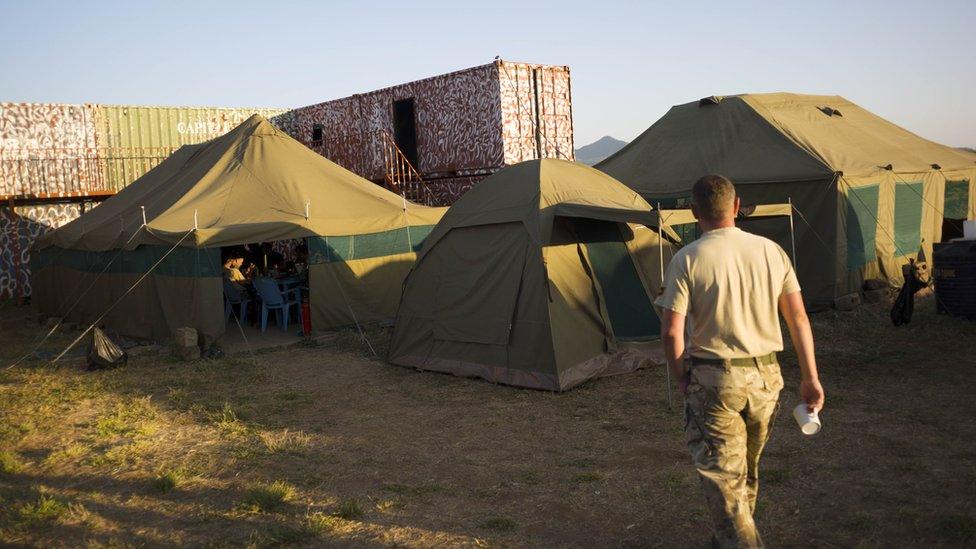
{"x": 468, "y": 123}
{"x": 133, "y": 139}
{"x": 47, "y": 149}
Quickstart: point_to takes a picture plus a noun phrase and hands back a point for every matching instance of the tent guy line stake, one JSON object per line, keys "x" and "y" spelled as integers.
{"x": 308, "y": 207}
{"x": 143, "y": 208}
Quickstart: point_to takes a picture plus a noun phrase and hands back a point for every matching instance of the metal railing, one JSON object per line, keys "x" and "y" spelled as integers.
{"x": 52, "y": 172}
{"x": 401, "y": 176}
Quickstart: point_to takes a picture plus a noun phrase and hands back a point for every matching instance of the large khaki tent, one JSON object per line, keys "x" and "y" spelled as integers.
{"x": 867, "y": 193}
{"x": 540, "y": 276}
{"x": 254, "y": 184}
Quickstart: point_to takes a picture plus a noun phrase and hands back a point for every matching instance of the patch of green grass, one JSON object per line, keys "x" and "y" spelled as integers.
{"x": 127, "y": 419}
{"x": 266, "y": 497}
{"x": 169, "y": 480}
{"x": 385, "y": 505}
{"x": 70, "y": 452}
{"x": 499, "y": 524}
{"x": 284, "y": 441}
{"x": 10, "y": 463}
{"x": 47, "y": 508}
{"x": 955, "y": 527}
{"x": 321, "y": 523}
{"x": 349, "y": 510}
{"x": 227, "y": 420}
{"x": 589, "y": 476}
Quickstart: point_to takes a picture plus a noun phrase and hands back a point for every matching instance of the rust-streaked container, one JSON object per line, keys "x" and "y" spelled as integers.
{"x": 47, "y": 148}
{"x": 465, "y": 124}
{"x": 133, "y": 139}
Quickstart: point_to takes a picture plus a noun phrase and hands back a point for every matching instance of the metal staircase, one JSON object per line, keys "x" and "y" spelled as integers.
{"x": 401, "y": 176}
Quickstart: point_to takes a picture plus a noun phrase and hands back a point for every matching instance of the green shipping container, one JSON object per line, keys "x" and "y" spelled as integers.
{"x": 133, "y": 139}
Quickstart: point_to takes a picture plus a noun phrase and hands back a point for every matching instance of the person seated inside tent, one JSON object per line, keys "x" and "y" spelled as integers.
{"x": 253, "y": 258}
{"x": 232, "y": 270}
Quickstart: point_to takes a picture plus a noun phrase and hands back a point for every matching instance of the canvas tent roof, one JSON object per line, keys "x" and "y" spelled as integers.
{"x": 535, "y": 192}
{"x": 771, "y": 138}
{"x": 253, "y": 184}
{"x": 868, "y": 193}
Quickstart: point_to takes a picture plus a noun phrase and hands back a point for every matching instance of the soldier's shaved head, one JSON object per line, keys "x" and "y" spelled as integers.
{"x": 714, "y": 198}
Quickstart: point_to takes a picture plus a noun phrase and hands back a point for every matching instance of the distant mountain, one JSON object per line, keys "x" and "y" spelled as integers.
{"x": 598, "y": 150}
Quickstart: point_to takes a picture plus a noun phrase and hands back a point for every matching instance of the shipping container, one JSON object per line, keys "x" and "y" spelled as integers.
{"x": 466, "y": 123}
{"x": 47, "y": 149}
{"x": 56, "y": 160}
{"x": 133, "y": 139}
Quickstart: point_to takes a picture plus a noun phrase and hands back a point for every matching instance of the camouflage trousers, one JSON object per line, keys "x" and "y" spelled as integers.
{"x": 729, "y": 411}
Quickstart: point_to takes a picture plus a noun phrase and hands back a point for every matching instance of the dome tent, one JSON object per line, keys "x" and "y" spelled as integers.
{"x": 541, "y": 276}
{"x": 868, "y": 193}
{"x": 253, "y": 184}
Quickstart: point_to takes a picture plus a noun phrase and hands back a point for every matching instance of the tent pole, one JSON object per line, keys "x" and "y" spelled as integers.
{"x": 660, "y": 256}
{"x": 789, "y": 200}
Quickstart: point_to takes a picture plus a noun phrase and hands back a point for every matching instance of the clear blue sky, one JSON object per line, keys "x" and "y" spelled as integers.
{"x": 912, "y": 62}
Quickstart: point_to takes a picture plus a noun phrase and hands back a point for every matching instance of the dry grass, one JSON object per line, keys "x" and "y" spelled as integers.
{"x": 325, "y": 445}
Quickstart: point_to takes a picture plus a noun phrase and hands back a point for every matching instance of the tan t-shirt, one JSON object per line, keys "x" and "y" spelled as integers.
{"x": 728, "y": 284}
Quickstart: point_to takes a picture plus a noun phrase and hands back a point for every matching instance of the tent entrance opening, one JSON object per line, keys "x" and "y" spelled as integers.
{"x": 628, "y": 304}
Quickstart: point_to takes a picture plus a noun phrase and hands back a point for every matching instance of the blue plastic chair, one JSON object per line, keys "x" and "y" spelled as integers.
{"x": 234, "y": 296}
{"x": 273, "y": 299}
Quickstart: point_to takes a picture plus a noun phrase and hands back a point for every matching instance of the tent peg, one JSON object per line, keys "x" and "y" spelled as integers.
{"x": 143, "y": 208}
{"x": 195, "y": 220}
{"x": 308, "y": 206}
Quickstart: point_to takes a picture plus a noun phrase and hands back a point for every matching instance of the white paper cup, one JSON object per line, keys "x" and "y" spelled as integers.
{"x": 809, "y": 422}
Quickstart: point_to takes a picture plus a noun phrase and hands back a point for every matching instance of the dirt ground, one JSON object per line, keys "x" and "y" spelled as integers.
{"x": 321, "y": 445}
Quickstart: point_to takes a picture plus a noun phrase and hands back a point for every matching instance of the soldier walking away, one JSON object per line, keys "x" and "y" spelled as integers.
{"x": 726, "y": 286}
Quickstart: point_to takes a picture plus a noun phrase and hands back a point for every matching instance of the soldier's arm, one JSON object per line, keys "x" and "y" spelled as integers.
{"x": 673, "y": 334}
{"x": 795, "y": 314}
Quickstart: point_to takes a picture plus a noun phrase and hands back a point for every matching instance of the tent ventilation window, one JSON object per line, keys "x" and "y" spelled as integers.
{"x": 710, "y": 100}
{"x": 317, "y": 134}
{"x": 830, "y": 111}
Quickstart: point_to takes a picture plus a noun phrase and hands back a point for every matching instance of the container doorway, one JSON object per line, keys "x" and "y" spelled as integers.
{"x": 405, "y": 129}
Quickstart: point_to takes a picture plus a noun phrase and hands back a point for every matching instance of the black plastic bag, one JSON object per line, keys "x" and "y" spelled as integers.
{"x": 103, "y": 353}
{"x": 904, "y": 306}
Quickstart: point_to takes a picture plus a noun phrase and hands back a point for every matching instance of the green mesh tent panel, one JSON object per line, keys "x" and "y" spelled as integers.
{"x": 626, "y": 300}
{"x": 328, "y": 249}
{"x": 956, "y": 199}
{"x": 908, "y": 218}
{"x": 862, "y": 214}
{"x": 183, "y": 262}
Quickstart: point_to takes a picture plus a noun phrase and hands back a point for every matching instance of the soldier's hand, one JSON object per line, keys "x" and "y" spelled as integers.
{"x": 812, "y": 393}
